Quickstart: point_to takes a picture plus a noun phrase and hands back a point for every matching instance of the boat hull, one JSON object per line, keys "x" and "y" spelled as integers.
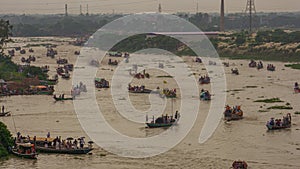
{"x": 63, "y": 151}
{"x": 271, "y": 127}
{"x": 143, "y": 91}
{"x": 157, "y": 125}
{"x": 28, "y": 156}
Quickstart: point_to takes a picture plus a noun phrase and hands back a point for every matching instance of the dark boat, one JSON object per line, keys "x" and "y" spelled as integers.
{"x": 84, "y": 150}
{"x": 61, "y": 98}
{"x": 277, "y": 125}
{"x": 137, "y": 89}
{"x": 164, "y": 121}
{"x": 24, "y": 150}
{"x": 140, "y": 91}
{"x": 5, "y": 114}
{"x": 239, "y": 165}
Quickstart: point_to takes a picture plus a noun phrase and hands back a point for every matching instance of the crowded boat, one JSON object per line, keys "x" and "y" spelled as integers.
{"x": 271, "y": 67}
{"x": 234, "y": 113}
{"x": 101, "y": 83}
{"x": 138, "y": 89}
{"x": 275, "y": 124}
{"x": 205, "y": 95}
{"x": 168, "y": 93}
{"x": 204, "y": 79}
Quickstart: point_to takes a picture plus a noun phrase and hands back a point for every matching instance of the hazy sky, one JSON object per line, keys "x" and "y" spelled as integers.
{"x": 133, "y": 6}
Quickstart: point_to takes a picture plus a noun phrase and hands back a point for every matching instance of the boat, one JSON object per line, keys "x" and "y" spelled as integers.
{"x": 235, "y": 71}
{"x": 168, "y": 93}
{"x": 252, "y": 64}
{"x": 239, "y": 165}
{"x": 233, "y": 114}
{"x": 163, "y": 121}
{"x": 51, "y": 145}
{"x": 114, "y": 63}
{"x": 138, "y": 89}
{"x": 278, "y": 124}
{"x": 101, "y": 83}
{"x": 205, "y": 95}
{"x": 204, "y": 80}
{"x": 5, "y": 114}
{"x": 24, "y": 150}
{"x": 62, "y": 98}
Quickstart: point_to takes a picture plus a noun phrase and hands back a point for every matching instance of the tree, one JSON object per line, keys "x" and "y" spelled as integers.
{"x": 5, "y": 32}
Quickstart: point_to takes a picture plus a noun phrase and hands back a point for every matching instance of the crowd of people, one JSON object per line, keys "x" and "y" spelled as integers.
{"x": 286, "y": 121}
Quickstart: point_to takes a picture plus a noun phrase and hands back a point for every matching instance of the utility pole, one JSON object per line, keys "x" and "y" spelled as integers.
{"x": 250, "y": 8}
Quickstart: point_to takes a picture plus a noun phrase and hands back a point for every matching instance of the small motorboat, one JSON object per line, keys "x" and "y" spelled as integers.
{"x": 24, "y": 150}
{"x": 277, "y": 124}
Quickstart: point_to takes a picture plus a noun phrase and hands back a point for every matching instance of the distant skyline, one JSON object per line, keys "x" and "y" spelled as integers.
{"x": 137, "y": 6}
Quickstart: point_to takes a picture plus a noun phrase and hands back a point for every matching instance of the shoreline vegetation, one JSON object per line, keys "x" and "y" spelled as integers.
{"x": 6, "y": 141}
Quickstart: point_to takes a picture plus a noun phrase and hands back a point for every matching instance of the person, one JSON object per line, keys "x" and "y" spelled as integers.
{"x": 272, "y": 121}
{"x": 48, "y": 135}
{"x": 81, "y": 143}
{"x": 296, "y": 85}
{"x": 63, "y": 96}
{"x": 3, "y": 108}
{"x": 75, "y": 143}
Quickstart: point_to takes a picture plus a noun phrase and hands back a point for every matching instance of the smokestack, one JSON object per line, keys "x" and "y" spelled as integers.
{"x": 222, "y": 17}
{"x": 159, "y": 8}
{"x": 80, "y": 10}
{"x": 66, "y": 10}
{"x": 87, "y": 9}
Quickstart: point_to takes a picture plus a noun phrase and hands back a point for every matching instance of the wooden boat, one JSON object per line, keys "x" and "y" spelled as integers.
{"x": 286, "y": 123}
{"x": 101, "y": 83}
{"x": 205, "y": 96}
{"x": 84, "y": 150}
{"x": 233, "y": 117}
{"x": 274, "y": 127}
{"x": 168, "y": 93}
{"x": 164, "y": 121}
{"x": 61, "y": 99}
{"x": 140, "y": 91}
{"x": 233, "y": 114}
{"x": 235, "y": 71}
{"x": 24, "y": 150}
{"x": 5, "y": 114}
{"x": 239, "y": 165}
{"x": 161, "y": 123}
